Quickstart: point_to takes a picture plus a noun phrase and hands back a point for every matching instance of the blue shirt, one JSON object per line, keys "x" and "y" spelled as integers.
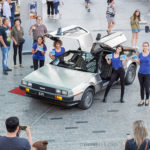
{"x": 144, "y": 64}
{"x": 116, "y": 62}
{"x": 14, "y": 143}
{"x": 38, "y": 55}
{"x": 57, "y": 54}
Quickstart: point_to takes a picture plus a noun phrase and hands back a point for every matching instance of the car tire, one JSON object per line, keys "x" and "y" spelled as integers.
{"x": 87, "y": 99}
{"x": 130, "y": 76}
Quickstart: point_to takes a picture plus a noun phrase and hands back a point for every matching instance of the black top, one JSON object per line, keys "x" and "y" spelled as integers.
{"x": 131, "y": 145}
{"x": 15, "y": 143}
{"x": 5, "y": 33}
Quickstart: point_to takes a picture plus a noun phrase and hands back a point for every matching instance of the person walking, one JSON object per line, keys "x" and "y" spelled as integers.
{"x": 13, "y": 7}
{"x": 7, "y": 9}
{"x": 139, "y": 140}
{"x": 38, "y": 52}
{"x": 144, "y": 73}
{"x": 50, "y": 8}
{"x": 118, "y": 71}
{"x": 134, "y": 21}
{"x": 37, "y": 30}
{"x": 87, "y": 5}
{"x": 110, "y": 15}
{"x": 5, "y": 39}
{"x": 17, "y": 35}
{"x": 56, "y": 4}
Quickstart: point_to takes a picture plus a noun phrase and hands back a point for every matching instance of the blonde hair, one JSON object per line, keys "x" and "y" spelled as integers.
{"x": 140, "y": 132}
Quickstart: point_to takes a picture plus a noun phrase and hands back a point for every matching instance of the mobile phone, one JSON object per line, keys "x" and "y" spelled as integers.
{"x": 109, "y": 56}
{"x": 22, "y": 127}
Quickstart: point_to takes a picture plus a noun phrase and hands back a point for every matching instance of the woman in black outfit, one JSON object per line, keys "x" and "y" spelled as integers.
{"x": 50, "y": 8}
{"x": 140, "y": 141}
{"x": 118, "y": 71}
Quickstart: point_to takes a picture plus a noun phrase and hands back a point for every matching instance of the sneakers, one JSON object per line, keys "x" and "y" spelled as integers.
{"x": 8, "y": 69}
{"x": 5, "y": 72}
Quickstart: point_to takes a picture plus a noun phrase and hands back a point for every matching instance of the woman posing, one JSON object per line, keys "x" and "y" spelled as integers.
{"x": 38, "y": 51}
{"x": 118, "y": 71}
{"x": 57, "y": 51}
{"x": 144, "y": 73}
{"x": 134, "y": 21}
{"x": 17, "y": 35}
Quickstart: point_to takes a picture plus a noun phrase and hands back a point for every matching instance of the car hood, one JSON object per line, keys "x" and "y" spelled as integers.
{"x": 58, "y": 77}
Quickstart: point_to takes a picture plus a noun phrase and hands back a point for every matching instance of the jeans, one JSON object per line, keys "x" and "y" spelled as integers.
{"x": 144, "y": 80}
{"x": 36, "y": 63}
{"x": 56, "y": 8}
{"x": 50, "y": 5}
{"x": 5, "y": 52}
{"x": 19, "y": 49}
{"x": 120, "y": 73}
{"x": 12, "y": 15}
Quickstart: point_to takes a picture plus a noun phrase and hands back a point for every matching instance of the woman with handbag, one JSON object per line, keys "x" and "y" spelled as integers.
{"x": 17, "y": 34}
{"x": 110, "y": 15}
{"x": 140, "y": 141}
{"x": 134, "y": 21}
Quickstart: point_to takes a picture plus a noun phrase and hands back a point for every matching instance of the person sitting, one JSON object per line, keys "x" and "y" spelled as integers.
{"x": 11, "y": 141}
{"x": 40, "y": 145}
{"x": 140, "y": 141}
{"x": 58, "y": 50}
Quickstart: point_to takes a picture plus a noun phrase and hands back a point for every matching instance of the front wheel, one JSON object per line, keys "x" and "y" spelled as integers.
{"x": 87, "y": 99}
{"x": 131, "y": 73}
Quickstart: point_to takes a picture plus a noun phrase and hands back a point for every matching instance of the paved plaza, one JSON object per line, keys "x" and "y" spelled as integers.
{"x": 103, "y": 126}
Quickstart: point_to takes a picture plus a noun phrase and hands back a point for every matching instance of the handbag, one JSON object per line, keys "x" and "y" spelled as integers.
{"x": 21, "y": 40}
{"x": 110, "y": 14}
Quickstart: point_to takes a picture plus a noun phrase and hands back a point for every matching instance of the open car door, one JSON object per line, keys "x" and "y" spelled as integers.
{"x": 80, "y": 34}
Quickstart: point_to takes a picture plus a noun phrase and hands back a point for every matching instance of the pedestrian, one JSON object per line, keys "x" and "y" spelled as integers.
{"x": 87, "y": 5}
{"x": 50, "y": 8}
{"x": 56, "y": 4}
{"x": 134, "y": 21}
{"x": 13, "y": 7}
{"x": 37, "y": 30}
{"x": 13, "y": 142}
{"x": 144, "y": 73}
{"x": 17, "y": 35}
{"x": 38, "y": 51}
{"x": 58, "y": 50}
{"x": 40, "y": 145}
{"x": 5, "y": 39}
{"x": 110, "y": 15}
{"x": 118, "y": 71}
{"x": 139, "y": 140}
{"x": 7, "y": 9}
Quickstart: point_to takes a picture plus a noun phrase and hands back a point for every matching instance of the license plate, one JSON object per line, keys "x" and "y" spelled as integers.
{"x": 41, "y": 94}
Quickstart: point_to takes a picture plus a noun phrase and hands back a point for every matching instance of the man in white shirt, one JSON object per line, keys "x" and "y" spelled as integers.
{"x": 6, "y": 9}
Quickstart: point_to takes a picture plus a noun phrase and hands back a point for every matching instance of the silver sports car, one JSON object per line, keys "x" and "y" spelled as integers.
{"x": 77, "y": 75}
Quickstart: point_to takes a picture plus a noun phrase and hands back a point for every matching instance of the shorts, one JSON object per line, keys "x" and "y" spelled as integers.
{"x": 88, "y": 1}
{"x": 136, "y": 30}
{"x": 110, "y": 19}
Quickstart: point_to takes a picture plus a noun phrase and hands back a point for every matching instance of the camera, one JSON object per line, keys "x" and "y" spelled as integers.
{"x": 22, "y": 128}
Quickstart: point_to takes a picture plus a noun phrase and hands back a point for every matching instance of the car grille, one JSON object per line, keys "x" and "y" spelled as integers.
{"x": 43, "y": 88}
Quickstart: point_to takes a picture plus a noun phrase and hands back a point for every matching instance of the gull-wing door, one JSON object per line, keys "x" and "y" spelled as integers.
{"x": 75, "y": 33}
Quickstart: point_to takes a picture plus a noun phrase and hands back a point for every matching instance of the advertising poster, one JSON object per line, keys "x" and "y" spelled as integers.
{"x": 33, "y": 9}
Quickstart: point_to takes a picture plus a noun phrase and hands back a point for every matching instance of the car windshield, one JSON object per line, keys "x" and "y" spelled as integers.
{"x": 77, "y": 60}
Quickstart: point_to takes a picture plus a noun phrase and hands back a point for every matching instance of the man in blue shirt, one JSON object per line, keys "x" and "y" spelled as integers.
{"x": 11, "y": 141}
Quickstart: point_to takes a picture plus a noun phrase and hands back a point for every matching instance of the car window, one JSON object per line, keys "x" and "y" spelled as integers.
{"x": 77, "y": 61}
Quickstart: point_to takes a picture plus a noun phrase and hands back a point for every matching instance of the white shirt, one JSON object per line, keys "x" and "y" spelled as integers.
{"x": 6, "y": 10}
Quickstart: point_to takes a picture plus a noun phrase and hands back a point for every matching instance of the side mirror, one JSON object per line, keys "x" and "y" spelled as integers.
{"x": 98, "y": 37}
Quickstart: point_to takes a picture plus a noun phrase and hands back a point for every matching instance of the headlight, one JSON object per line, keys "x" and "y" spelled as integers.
{"x": 29, "y": 84}
{"x": 58, "y": 91}
{"x": 64, "y": 93}
{"x": 24, "y": 82}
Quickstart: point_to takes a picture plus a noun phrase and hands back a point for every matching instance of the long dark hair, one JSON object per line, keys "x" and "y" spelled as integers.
{"x": 43, "y": 42}
{"x": 134, "y": 15}
{"x": 121, "y": 49}
{"x": 109, "y": 1}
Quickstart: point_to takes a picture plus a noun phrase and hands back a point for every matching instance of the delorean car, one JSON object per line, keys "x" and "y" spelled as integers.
{"x": 77, "y": 75}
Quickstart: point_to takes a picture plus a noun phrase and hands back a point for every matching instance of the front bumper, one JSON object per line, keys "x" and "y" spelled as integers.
{"x": 65, "y": 101}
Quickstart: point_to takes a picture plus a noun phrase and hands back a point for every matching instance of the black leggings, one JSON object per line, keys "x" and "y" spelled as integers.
{"x": 144, "y": 80}
{"x": 50, "y": 6}
{"x": 36, "y": 63}
{"x": 19, "y": 49}
{"x": 120, "y": 73}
